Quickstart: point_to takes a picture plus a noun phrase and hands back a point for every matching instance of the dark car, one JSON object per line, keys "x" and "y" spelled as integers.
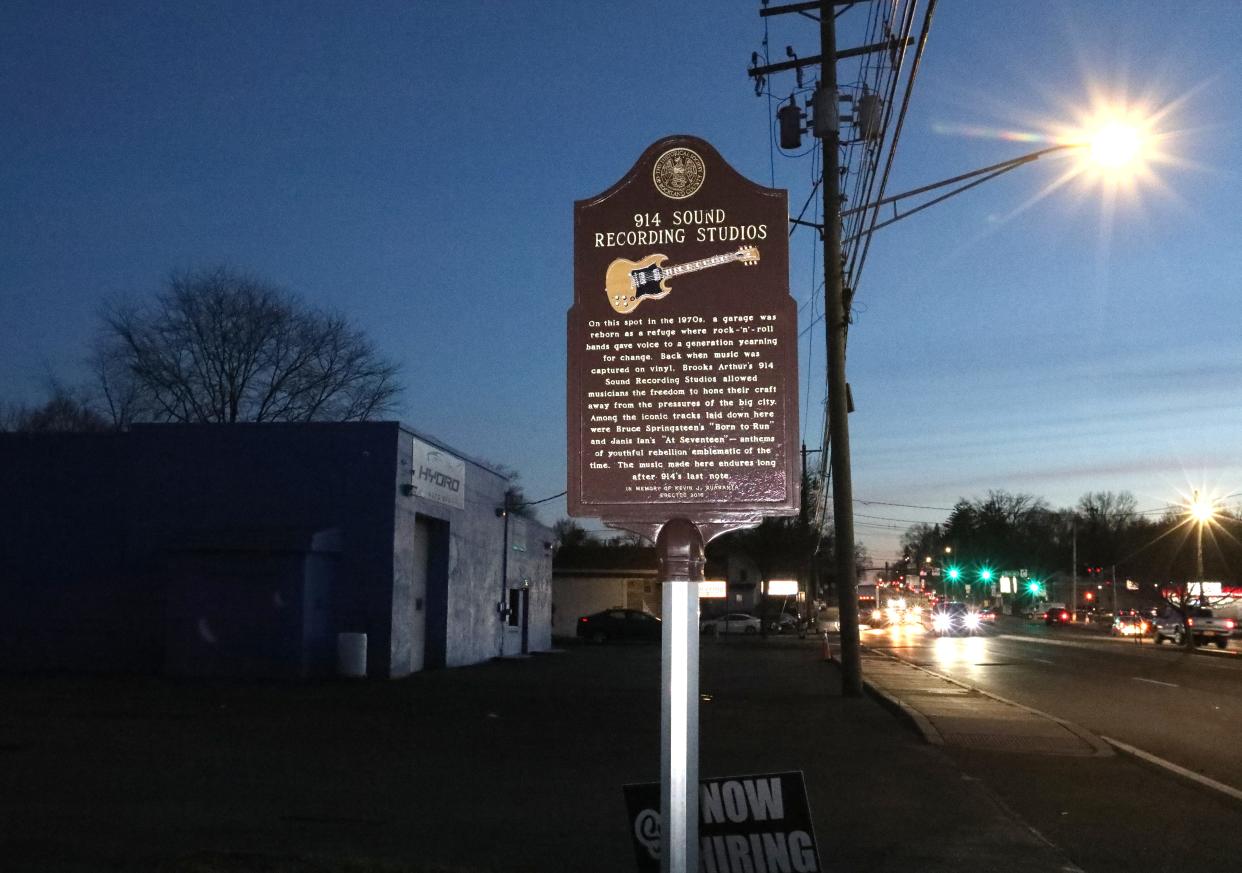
{"x": 953, "y": 618}
{"x": 1057, "y": 615}
{"x": 618, "y": 624}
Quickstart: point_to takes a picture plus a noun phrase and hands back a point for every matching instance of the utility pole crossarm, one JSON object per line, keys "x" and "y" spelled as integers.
{"x": 813, "y": 5}
{"x": 798, "y": 63}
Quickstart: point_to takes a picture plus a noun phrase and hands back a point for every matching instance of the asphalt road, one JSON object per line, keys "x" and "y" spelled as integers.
{"x": 1183, "y": 707}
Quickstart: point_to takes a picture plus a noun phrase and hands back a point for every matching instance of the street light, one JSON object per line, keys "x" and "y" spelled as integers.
{"x": 1202, "y": 511}
{"x": 836, "y": 311}
{"x": 1116, "y": 145}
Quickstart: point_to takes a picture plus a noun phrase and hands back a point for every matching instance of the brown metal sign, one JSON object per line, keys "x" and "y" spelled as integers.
{"x": 683, "y": 365}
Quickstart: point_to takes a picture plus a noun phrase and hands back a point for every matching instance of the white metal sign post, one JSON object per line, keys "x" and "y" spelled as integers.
{"x": 680, "y": 550}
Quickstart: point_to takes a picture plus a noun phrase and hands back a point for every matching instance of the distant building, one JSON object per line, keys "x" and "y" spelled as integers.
{"x": 590, "y": 578}
{"x": 593, "y": 577}
{"x": 245, "y": 549}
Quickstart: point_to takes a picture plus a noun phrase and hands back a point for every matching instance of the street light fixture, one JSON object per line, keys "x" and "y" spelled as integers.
{"x": 836, "y": 312}
{"x": 1116, "y": 145}
{"x": 1202, "y": 511}
{"x": 1113, "y": 148}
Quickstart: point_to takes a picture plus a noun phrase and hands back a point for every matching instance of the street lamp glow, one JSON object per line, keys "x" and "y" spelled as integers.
{"x": 1116, "y": 145}
{"x": 1202, "y": 510}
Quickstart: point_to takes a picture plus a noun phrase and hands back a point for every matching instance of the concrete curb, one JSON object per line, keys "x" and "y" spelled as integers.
{"x": 1176, "y": 769}
{"x": 1101, "y": 748}
{"x": 904, "y": 710}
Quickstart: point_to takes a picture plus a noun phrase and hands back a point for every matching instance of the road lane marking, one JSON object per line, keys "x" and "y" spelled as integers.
{"x": 1155, "y": 682}
{"x": 1212, "y": 658}
{"x": 1043, "y": 661}
{"x": 1179, "y": 770}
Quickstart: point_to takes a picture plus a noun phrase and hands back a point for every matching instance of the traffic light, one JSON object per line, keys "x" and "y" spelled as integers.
{"x": 985, "y": 575}
{"x": 954, "y": 573}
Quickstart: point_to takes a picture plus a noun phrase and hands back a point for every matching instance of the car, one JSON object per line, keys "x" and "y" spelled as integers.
{"x": 1202, "y": 623}
{"x": 733, "y": 623}
{"x": 1057, "y": 614}
{"x": 953, "y": 619}
{"x": 1129, "y": 624}
{"x": 988, "y": 615}
{"x": 619, "y": 624}
{"x": 784, "y": 623}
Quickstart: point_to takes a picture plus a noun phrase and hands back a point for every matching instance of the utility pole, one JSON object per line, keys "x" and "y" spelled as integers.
{"x": 1074, "y": 602}
{"x": 827, "y": 128}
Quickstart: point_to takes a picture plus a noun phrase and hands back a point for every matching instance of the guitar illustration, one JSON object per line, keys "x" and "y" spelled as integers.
{"x": 629, "y": 283}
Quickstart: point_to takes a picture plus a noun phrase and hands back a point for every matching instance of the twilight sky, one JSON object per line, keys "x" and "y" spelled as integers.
{"x": 415, "y": 164}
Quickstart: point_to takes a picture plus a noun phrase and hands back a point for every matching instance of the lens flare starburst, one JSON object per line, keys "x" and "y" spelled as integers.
{"x": 1112, "y": 148}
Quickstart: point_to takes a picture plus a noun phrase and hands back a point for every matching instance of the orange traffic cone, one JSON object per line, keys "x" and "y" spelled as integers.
{"x": 827, "y": 648}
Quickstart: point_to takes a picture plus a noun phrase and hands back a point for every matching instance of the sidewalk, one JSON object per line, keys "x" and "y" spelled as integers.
{"x": 947, "y": 712}
{"x": 508, "y": 766}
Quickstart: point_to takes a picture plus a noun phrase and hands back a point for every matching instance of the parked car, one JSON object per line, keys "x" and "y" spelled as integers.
{"x": 784, "y": 623}
{"x": 1057, "y": 614}
{"x": 733, "y": 623}
{"x": 618, "y": 624}
{"x": 1172, "y": 624}
{"x": 954, "y": 619}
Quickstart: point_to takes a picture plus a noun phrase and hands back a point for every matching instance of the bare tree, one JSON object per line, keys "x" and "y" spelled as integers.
{"x": 571, "y": 535}
{"x": 63, "y": 412}
{"x": 219, "y": 346}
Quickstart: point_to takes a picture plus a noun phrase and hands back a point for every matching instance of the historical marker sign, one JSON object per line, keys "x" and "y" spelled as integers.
{"x": 683, "y": 366}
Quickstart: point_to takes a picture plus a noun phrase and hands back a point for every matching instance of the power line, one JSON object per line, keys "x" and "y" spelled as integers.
{"x": 901, "y": 505}
{"x": 537, "y": 502}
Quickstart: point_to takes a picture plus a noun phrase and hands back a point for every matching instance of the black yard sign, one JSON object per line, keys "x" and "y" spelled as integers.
{"x": 748, "y": 824}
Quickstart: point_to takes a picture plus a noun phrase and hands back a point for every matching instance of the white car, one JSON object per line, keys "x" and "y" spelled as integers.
{"x": 733, "y": 623}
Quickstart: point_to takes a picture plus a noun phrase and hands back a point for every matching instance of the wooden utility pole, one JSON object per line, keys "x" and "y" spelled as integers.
{"x": 827, "y": 122}
{"x": 827, "y": 128}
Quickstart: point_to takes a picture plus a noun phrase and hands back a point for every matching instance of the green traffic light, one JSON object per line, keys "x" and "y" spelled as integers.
{"x": 954, "y": 574}
{"x": 985, "y": 575}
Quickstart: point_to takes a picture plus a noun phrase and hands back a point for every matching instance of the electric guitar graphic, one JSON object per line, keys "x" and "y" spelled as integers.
{"x": 629, "y": 283}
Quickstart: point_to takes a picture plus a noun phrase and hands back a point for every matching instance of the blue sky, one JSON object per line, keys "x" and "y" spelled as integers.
{"x": 415, "y": 166}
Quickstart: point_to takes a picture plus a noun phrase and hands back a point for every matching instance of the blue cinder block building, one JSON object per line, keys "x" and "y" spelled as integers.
{"x": 246, "y": 549}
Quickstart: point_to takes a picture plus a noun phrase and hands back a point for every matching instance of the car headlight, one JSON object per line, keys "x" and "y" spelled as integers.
{"x": 972, "y": 620}
{"x": 941, "y": 622}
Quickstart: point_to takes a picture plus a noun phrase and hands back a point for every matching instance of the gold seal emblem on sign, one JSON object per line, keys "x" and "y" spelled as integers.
{"x": 678, "y": 173}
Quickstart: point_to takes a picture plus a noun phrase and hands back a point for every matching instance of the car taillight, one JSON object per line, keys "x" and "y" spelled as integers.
{"x": 584, "y": 619}
{"x": 1064, "y": 615}
{"x": 1229, "y": 623}
{"x": 1190, "y": 622}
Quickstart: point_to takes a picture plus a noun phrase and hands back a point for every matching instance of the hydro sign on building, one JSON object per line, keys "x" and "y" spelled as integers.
{"x": 683, "y": 368}
{"x": 437, "y": 475}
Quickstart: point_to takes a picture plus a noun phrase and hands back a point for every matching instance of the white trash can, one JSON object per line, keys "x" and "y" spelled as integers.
{"x": 351, "y": 655}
